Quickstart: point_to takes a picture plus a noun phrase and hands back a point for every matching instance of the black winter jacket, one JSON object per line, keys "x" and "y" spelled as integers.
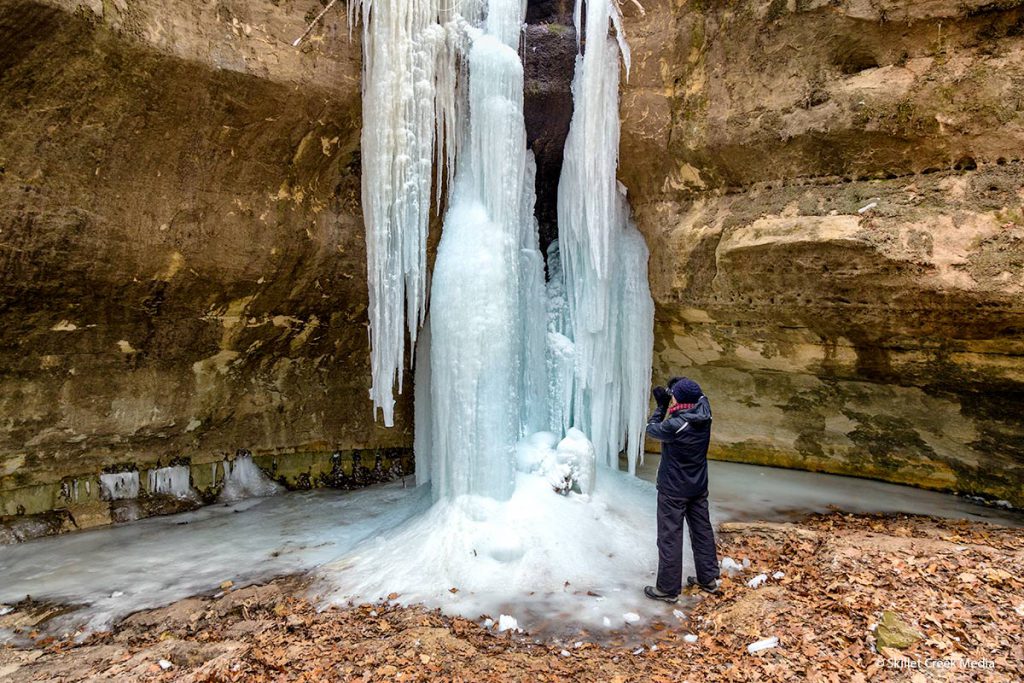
{"x": 684, "y": 438}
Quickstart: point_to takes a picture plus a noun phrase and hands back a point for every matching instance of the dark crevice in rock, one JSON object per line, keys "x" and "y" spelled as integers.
{"x": 549, "y": 11}
{"x": 549, "y": 59}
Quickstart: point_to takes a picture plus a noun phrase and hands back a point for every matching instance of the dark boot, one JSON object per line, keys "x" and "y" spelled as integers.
{"x": 706, "y": 587}
{"x": 654, "y": 594}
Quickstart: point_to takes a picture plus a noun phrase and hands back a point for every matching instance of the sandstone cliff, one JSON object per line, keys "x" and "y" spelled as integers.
{"x": 833, "y": 195}
{"x": 181, "y": 244}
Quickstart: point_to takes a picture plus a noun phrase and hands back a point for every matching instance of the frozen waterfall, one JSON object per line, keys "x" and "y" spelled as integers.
{"x": 507, "y": 355}
{"x": 522, "y": 385}
{"x": 404, "y": 102}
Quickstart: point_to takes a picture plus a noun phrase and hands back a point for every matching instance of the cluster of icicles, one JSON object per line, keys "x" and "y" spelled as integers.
{"x": 504, "y": 352}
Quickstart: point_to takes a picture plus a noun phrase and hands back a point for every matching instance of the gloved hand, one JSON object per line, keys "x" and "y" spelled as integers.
{"x": 661, "y": 397}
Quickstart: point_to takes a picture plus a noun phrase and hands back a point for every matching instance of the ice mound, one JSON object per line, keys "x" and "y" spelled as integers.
{"x": 538, "y": 557}
{"x": 567, "y": 465}
{"x": 244, "y": 479}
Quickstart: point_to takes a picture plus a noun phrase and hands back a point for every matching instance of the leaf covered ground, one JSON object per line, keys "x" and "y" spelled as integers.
{"x": 957, "y": 585}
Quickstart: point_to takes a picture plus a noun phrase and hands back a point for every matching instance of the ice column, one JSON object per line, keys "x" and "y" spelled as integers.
{"x": 603, "y": 260}
{"x": 487, "y": 296}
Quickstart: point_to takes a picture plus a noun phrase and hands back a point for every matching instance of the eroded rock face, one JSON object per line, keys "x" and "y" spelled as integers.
{"x": 833, "y": 195}
{"x": 181, "y": 242}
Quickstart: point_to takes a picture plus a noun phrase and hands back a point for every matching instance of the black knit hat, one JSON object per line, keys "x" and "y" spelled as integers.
{"x": 685, "y": 390}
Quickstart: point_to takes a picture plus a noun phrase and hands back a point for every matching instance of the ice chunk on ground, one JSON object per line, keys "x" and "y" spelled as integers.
{"x": 576, "y": 452}
{"x": 244, "y": 479}
{"x": 758, "y": 581}
{"x": 731, "y": 566}
{"x": 778, "y": 575}
{"x": 690, "y": 638}
{"x": 507, "y": 623}
{"x": 765, "y": 644}
{"x": 631, "y": 617}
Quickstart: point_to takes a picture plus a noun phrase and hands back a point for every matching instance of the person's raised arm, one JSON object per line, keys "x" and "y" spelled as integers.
{"x": 655, "y": 430}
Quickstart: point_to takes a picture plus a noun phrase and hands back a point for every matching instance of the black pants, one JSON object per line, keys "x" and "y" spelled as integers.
{"x": 671, "y": 513}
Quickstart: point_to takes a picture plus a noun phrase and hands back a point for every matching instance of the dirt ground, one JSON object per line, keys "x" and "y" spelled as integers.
{"x": 952, "y": 593}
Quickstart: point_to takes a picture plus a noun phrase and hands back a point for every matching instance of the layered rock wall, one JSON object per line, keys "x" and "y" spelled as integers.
{"x": 181, "y": 246}
{"x": 833, "y": 195}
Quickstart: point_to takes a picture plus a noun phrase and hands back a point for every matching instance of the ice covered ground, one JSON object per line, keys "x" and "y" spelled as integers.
{"x": 748, "y": 492}
{"x": 117, "y": 570}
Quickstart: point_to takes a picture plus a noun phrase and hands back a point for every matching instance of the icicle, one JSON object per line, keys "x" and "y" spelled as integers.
{"x": 401, "y": 44}
{"x": 423, "y": 438}
{"x": 602, "y": 264}
{"x": 119, "y": 485}
{"x": 171, "y": 481}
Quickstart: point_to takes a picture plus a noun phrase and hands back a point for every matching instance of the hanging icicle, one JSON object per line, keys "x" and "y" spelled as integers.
{"x": 402, "y": 43}
{"x": 602, "y": 261}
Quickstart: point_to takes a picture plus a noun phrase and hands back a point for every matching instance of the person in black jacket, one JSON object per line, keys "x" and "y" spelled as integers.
{"x": 682, "y": 423}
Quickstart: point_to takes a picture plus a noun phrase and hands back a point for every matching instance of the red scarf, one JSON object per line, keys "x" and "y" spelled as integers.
{"x": 681, "y": 406}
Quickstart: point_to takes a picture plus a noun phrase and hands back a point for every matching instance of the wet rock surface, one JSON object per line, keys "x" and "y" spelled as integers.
{"x": 833, "y": 195}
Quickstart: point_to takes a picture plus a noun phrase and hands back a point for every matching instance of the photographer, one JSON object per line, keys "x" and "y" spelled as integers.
{"x": 682, "y": 423}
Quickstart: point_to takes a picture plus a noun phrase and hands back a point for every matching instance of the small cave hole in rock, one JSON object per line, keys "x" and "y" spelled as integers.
{"x": 965, "y": 163}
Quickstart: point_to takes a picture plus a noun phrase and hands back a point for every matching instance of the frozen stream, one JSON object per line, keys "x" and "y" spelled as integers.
{"x": 116, "y": 570}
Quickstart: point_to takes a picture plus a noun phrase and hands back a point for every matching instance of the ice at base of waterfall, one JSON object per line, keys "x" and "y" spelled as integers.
{"x": 537, "y": 557}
